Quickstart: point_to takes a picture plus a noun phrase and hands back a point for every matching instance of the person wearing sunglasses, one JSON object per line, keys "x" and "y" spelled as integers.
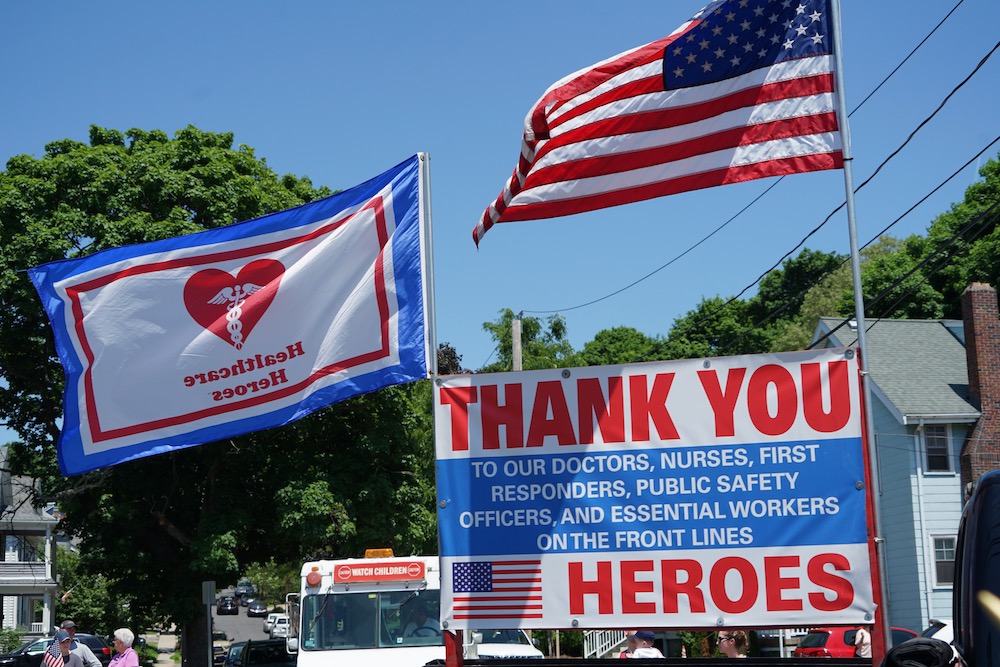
{"x": 629, "y": 644}
{"x": 733, "y": 643}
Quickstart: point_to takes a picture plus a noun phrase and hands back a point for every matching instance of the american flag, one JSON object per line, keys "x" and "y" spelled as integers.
{"x": 743, "y": 90}
{"x": 497, "y": 589}
{"x": 53, "y": 656}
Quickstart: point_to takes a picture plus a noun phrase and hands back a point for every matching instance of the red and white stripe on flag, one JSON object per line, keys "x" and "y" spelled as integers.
{"x": 744, "y": 90}
{"x": 53, "y": 656}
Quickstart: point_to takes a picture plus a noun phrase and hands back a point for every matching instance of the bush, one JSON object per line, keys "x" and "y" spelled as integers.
{"x": 10, "y": 639}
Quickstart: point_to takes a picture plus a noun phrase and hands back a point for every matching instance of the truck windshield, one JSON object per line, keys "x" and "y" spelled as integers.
{"x": 370, "y": 620}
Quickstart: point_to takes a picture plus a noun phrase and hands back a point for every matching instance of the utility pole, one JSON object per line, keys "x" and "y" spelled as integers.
{"x": 515, "y": 343}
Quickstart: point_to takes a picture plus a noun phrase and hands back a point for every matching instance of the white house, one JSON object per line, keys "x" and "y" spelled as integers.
{"x": 27, "y": 572}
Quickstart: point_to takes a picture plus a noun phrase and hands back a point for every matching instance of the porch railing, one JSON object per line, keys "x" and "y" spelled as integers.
{"x": 597, "y": 643}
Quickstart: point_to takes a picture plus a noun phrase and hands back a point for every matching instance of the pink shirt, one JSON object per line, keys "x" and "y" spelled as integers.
{"x": 127, "y": 658}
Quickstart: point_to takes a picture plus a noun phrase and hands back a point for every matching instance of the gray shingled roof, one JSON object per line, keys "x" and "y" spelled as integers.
{"x": 919, "y": 366}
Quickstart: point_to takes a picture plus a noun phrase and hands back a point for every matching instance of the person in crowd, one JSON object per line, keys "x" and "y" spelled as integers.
{"x": 77, "y": 647}
{"x": 733, "y": 643}
{"x": 69, "y": 659}
{"x": 421, "y": 625}
{"x": 629, "y": 644}
{"x": 863, "y": 643}
{"x": 125, "y": 655}
{"x": 644, "y": 645}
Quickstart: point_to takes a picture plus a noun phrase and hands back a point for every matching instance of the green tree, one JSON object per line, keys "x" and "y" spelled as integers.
{"x": 716, "y": 327}
{"x": 449, "y": 360}
{"x": 831, "y": 297}
{"x": 544, "y": 344}
{"x": 977, "y": 252}
{"x": 620, "y": 345}
{"x": 697, "y": 644}
{"x": 274, "y": 580}
{"x": 342, "y": 479}
{"x": 782, "y": 291}
{"x": 891, "y": 261}
{"x": 87, "y": 598}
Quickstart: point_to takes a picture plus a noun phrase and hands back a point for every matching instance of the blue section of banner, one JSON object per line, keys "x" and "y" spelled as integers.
{"x": 754, "y": 495}
{"x": 408, "y": 284}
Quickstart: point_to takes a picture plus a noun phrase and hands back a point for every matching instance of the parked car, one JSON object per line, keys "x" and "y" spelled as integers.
{"x": 265, "y": 653}
{"x": 29, "y": 654}
{"x": 100, "y": 648}
{"x": 269, "y": 621}
{"x": 220, "y": 647}
{"x": 505, "y": 645}
{"x": 280, "y": 627}
{"x": 256, "y": 609}
{"x": 245, "y": 587}
{"x": 839, "y": 642}
{"x": 234, "y": 653}
{"x": 227, "y": 606}
{"x": 939, "y": 630}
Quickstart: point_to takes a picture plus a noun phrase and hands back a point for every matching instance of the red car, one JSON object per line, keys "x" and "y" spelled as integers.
{"x": 839, "y": 642}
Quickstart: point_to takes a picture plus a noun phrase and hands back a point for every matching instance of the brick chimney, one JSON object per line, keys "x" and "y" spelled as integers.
{"x": 981, "y": 451}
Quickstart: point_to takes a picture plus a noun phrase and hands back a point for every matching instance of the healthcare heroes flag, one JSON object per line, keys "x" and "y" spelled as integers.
{"x": 694, "y": 493}
{"x": 202, "y": 337}
{"x": 743, "y": 90}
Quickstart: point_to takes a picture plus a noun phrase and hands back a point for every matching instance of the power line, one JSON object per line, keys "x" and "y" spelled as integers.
{"x": 947, "y": 243}
{"x": 794, "y": 299}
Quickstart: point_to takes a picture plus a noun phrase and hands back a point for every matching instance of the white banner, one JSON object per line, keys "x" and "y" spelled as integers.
{"x": 693, "y": 493}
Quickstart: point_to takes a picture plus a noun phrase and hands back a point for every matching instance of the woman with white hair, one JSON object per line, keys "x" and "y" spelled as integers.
{"x": 125, "y": 655}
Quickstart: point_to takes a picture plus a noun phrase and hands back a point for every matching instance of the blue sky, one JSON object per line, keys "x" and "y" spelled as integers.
{"x": 340, "y": 92}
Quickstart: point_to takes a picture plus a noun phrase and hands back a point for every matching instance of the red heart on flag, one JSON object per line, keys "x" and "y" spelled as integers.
{"x": 231, "y": 307}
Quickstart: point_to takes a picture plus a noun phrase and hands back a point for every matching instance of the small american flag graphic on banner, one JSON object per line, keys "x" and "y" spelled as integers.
{"x": 497, "y": 589}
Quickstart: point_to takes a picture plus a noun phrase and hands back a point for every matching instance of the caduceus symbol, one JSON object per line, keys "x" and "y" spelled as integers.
{"x": 234, "y": 297}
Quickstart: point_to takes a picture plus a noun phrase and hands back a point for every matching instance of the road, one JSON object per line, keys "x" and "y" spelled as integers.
{"x": 240, "y": 627}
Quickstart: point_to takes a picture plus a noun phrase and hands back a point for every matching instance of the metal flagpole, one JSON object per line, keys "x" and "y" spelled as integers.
{"x": 859, "y": 315}
{"x": 427, "y": 237}
{"x": 452, "y": 638}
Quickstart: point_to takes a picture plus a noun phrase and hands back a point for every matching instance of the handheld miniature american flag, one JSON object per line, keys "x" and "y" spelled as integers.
{"x": 53, "y": 656}
{"x": 743, "y": 90}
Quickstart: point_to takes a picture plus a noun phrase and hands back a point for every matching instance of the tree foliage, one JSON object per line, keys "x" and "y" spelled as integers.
{"x": 351, "y": 476}
{"x": 716, "y": 327}
{"x": 274, "y": 580}
{"x": 449, "y": 360}
{"x": 620, "y": 345}
{"x": 88, "y": 599}
{"x": 782, "y": 291}
{"x": 975, "y": 252}
{"x": 832, "y": 296}
{"x": 894, "y": 282}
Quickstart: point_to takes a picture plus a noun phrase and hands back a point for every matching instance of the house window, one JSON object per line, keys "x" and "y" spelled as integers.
{"x": 944, "y": 561}
{"x": 936, "y": 444}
